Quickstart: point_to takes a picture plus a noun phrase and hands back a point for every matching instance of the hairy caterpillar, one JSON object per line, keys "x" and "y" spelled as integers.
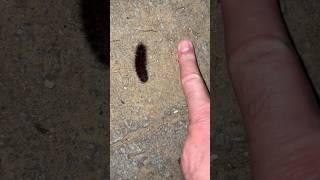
{"x": 141, "y": 62}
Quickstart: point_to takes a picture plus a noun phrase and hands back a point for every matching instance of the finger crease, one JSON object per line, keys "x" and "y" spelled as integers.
{"x": 190, "y": 77}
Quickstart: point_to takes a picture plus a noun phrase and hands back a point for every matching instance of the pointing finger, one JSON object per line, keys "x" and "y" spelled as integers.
{"x": 193, "y": 85}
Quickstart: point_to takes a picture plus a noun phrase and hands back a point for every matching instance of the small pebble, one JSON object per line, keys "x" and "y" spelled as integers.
{"x": 48, "y": 84}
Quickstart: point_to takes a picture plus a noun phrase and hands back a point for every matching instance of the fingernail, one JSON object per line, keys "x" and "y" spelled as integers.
{"x": 185, "y": 46}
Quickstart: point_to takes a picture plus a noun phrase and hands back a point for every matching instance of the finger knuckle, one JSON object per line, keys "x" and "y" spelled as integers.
{"x": 190, "y": 78}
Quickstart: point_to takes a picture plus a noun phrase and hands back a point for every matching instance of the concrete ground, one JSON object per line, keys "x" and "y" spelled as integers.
{"x": 52, "y": 92}
{"x": 232, "y": 154}
{"x": 149, "y": 120}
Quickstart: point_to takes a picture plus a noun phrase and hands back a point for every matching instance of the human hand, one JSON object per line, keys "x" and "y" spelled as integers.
{"x": 195, "y": 160}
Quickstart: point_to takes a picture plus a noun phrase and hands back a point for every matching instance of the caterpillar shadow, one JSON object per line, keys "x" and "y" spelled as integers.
{"x": 95, "y": 23}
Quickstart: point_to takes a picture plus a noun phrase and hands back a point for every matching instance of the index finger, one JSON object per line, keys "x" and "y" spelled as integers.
{"x": 192, "y": 83}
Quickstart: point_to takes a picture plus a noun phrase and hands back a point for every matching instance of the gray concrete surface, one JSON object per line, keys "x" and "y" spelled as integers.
{"x": 231, "y": 156}
{"x": 52, "y": 94}
{"x": 149, "y": 120}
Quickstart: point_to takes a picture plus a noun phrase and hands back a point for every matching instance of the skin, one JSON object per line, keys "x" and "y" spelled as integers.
{"x": 195, "y": 160}
{"x": 276, "y": 99}
{"x": 280, "y": 111}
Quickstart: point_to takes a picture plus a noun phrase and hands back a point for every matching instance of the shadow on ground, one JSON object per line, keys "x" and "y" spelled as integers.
{"x": 94, "y": 16}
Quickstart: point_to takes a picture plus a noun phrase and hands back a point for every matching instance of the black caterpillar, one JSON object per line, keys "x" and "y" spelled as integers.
{"x": 141, "y": 62}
